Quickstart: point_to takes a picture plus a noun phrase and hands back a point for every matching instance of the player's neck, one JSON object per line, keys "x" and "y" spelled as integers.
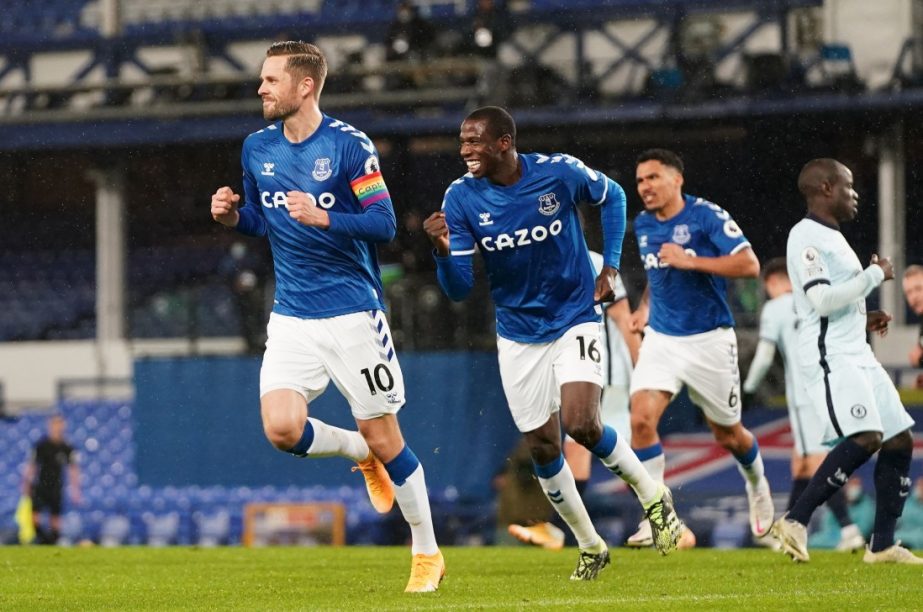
{"x": 510, "y": 173}
{"x": 824, "y": 218}
{"x": 670, "y": 209}
{"x": 300, "y": 126}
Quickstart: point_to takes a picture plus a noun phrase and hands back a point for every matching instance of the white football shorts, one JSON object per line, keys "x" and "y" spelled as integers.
{"x": 354, "y": 350}
{"x": 615, "y": 410}
{"x": 857, "y": 397}
{"x": 532, "y": 374}
{"x": 809, "y": 427}
{"x": 706, "y": 363}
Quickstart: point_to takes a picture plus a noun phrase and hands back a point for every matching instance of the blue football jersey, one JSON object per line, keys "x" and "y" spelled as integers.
{"x": 538, "y": 266}
{"x": 319, "y": 273}
{"x": 685, "y": 302}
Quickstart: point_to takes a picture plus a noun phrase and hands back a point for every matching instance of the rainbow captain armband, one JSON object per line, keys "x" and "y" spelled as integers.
{"x": 370, "y": 188}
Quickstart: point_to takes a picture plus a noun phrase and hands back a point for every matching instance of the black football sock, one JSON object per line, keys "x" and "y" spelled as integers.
{"x": 832, "y": 474}
{"x": 798, "y": 487}
{"x": 892, "y": 488}
{"x": 837, "y": 505}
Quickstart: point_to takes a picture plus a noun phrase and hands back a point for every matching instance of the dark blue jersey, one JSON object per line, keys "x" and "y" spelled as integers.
{"x": 541, "y": 277}
{"x": 684, "y": 302}
{"x": 319, "y": 273}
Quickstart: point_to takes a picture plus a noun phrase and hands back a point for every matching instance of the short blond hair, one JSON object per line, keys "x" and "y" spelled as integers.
{"x": 913, "y": 270}
{"x": 304, "y": 60}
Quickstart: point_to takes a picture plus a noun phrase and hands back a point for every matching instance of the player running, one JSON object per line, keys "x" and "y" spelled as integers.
{"x": 521, "y": 212}
{"x": 312, "y": 184}
{"x": 843, "y": 378}
{"x": 688, "y": 247}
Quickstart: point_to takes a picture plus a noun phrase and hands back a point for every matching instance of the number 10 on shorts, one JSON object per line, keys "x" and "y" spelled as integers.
{"x": 378, "y": 379}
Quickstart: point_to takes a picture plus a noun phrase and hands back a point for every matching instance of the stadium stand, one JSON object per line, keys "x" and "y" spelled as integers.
{"x": 116, "y": 510}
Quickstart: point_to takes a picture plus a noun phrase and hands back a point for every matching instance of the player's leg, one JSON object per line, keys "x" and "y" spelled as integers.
{"x": 892, "y": 473}
{"x": 654, "y": 382}
{"x": 809, "y": 428}
{"x": 577, "y": 372}
{"x": 743, "y": 446}
{"x": 364, "y": 367}
{"x": 848, "y": 398}
{"x": 526, "y": 371}
{"x": 713, "y": 380}
{"x": 293, "y": 373}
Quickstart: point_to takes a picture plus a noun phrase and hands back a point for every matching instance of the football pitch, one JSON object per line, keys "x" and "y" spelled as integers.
{"x": 373, "y": 578}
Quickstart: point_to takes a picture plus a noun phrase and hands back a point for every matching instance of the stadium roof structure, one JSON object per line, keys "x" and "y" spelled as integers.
{"x": 173, "y": 107}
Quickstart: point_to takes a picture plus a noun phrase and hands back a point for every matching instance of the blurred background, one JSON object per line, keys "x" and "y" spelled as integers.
{"x": 126, "y": 309}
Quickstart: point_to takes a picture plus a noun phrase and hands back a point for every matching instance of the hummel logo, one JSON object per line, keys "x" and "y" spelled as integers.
{"x": 556, "y": 496}
{"x": 268, "y": 168}
{"x": 485, "y": 219}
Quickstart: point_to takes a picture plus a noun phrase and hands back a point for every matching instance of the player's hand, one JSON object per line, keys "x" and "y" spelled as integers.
{"x": 638, "y": 320}
{"x": 876, "y": 321}
{"x": 676, "y": 256}
{"x": 303, "y": 209}
{"x": 605, "y": 284}
{"x": 438, "y": 232}
{"x": 885, "y": 264}
{"x": 916, "y": 354}
{"x": 224, "y": 207}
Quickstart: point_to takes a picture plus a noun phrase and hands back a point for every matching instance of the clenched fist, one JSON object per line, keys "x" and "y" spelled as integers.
{"x": 224, "y": 207}
{"x": 302, "y": 207}
{"x": 438, "y": 232}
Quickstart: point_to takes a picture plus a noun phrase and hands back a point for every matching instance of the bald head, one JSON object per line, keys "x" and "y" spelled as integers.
{"x": 817, "y": 172}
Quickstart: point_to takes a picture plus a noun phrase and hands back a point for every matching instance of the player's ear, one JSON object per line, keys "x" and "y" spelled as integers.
{"x": 306, "y": 87}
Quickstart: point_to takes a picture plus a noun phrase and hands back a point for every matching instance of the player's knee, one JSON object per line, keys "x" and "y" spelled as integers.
{"x": 728, "y": 440}
{"x": 280, "y": 432}
{"x": 643, "y": 425}
{"x": 869, "y": 440}
{"x": 902, "y": 442}
{"x": 586, "y": 433}
{"x": 544, "y": 452}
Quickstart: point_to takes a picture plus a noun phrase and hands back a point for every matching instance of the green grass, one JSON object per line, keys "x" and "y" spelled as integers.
{"x": 360, "y": 578}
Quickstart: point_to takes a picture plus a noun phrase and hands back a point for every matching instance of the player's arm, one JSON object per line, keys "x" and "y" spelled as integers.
{"x": 620, "y": 313}
{"x": 376, "y": 223}
{"x": 642, "y": 313}
{"x": 762, "y": 361}
{"x": 226, "y": 209}
{"x": 827, "y": 298}
{"x": 742, "y": 264}
{"x": 736, "y": 259}
{"x": 453, "y": 252}
{"x": 600, "y": 190}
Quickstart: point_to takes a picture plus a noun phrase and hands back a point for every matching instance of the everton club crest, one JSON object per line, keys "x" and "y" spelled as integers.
{"x": 681, "y": 234}
{"x": 548, "y": 204}
{"x": 322, "y": 170}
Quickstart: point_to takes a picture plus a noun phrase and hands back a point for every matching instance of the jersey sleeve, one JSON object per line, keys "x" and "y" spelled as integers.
{"x": 589, "y": 185}
{"x": 455, "y": 272}
{"x": 722, "y": 230}
{"x": 364, "y": 171}
{"x": 252, "y": 222}
{"x": 806, "y": 263}
{"x": 377, "y": 222}
{"x": 597, "y": 189}
{"x": 461, "y": 240}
